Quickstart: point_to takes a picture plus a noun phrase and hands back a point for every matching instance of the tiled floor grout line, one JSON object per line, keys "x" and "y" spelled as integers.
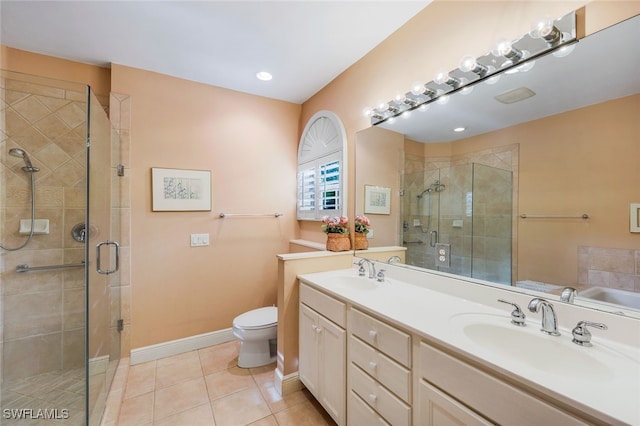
{"x": 287, "y": 408}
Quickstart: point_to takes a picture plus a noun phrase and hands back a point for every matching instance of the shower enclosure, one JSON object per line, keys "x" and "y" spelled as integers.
{"x": 458, "y": 219}
{"x": 59, "y": 283}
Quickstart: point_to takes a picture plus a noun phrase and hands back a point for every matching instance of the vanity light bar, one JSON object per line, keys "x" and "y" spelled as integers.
{"x": 546, "y": 36}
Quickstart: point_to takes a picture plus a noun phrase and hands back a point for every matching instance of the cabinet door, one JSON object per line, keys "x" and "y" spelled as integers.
{"x": 308, "y": 349}
{"x": 439, "y": 409}
{"x": 333, "y": 362}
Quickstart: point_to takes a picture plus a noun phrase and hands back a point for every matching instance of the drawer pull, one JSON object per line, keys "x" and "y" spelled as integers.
{"x": 372, "y": 365}
{"x": 373, "y": 334}
{"x": 372, "y": 397}
{"x": 318, "y": 330}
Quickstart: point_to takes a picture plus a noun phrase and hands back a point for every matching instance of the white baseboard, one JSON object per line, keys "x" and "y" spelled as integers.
{"x": 180, "y": 346}
{"x": 287, "y": 384}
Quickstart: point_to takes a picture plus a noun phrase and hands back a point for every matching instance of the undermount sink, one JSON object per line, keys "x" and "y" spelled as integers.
{"x": 555, "y": 355}
{"x": 360, "y": 283}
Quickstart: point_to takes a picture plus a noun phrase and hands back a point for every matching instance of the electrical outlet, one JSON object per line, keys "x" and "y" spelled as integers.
{"x": 443, "y": 255}
{"x": 199, "y": 240}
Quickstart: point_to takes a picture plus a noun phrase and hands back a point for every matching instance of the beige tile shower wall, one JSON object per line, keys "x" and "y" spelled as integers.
{"x": 609, "y": 267}
{"x": 43, "y": 310}
{"x": 120, "y": 116}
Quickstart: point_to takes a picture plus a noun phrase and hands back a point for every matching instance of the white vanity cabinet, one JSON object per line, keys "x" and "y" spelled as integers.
{"x": 322, "y": 355}
{"x": 454, "y": 392}
{"x": 379, "y": 372}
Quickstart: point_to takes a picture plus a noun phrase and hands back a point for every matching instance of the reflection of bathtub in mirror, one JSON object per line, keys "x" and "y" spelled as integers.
{"x": 612, "y": 296}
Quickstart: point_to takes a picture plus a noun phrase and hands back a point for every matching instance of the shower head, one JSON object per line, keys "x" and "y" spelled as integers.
{"x": 428, "y": 190}
{"x": 20, "y": 153}
{"x": 436, "y": 186}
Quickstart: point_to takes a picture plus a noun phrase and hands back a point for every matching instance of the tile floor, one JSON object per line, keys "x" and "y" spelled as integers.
{"x": 206, "y": 387}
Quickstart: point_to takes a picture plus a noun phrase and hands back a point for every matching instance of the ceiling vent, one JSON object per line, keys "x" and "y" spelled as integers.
{"x": 515, "y": 95}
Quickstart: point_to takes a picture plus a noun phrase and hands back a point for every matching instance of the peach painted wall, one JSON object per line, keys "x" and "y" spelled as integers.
{"x": 48, "y": 66}
{"x": 250, "y": 145}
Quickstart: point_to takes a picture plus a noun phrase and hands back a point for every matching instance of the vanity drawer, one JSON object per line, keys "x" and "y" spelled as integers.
{"x": 380, "y": 399}
{"x": 388, "y": 339}
{"x": 382, "y": 368}
{"x": 494, "y": 399}
{"x": 361, "y": 414}
{"x": 331, "y": 308}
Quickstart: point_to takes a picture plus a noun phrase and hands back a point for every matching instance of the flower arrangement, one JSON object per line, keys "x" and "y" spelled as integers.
{"x": 335, "y": 225}
{"x": 362, "y": 224}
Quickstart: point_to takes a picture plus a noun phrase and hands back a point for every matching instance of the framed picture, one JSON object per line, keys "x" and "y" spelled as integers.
{"x": 377, "y": 200}
{"x": 634, "y": 217}
{"x": 180, "y": 190}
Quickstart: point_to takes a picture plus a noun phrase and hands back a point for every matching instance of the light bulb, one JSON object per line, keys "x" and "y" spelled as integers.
{"x": 382, "y": 106}
{"x": 468, "y": 63}
{"x": 545, "y": 29}
{"x": 441, "y": 77}
{"x": 417, "y": 88}
{"x": 505, "y": 48}
{"x": 400, "y": 98}
{"x": 367, "y": 112}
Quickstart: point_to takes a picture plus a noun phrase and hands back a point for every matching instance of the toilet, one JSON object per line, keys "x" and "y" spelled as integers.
{"x": 257, "y": 330}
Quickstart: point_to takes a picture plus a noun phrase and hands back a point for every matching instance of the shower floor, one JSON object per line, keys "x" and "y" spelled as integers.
{"x": 60, "y": 393}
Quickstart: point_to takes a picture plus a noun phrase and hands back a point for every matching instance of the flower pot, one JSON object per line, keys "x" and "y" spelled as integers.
{"x": 338, "y": 242}
{"x": 361, "y": 242}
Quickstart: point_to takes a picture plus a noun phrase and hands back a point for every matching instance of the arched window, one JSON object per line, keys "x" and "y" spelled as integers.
{"x": 322, "y": 167}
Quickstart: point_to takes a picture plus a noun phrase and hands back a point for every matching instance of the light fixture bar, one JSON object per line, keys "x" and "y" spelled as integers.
{"x": 545, "y": 37}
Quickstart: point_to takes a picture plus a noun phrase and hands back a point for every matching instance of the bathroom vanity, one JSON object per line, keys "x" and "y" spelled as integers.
{"x": 413, "y": 349}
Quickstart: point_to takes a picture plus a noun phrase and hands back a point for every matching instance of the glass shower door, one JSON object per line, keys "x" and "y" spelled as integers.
{"x": 103, "y": 254}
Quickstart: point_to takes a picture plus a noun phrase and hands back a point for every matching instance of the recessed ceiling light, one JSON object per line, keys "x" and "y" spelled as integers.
{"x": 264, "y": 76}
{"x": 459, "y": 129}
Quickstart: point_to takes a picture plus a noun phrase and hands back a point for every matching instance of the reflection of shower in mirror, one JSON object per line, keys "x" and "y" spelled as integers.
{"x": 436, "y": 186}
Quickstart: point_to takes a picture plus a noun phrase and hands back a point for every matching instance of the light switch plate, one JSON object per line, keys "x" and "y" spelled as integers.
{"x": 199, "y": 240}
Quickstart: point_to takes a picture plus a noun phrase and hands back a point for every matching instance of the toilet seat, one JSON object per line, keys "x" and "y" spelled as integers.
{"x": 257, "y": 318}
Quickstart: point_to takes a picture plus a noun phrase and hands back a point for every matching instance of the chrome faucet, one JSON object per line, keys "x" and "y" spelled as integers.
{"x": 568, "y": 294}
{"x": 549, "y": 318}
{"x": 371, "y": 265}
{"x": 394, "y": 259}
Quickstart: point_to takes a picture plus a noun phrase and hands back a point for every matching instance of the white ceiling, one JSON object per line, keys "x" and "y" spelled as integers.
{"x": 304, "y": 44}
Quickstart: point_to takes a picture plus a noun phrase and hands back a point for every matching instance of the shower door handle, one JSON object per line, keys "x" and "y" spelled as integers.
{"x": 98, "y": 260}
{"x": 433, "y": 238}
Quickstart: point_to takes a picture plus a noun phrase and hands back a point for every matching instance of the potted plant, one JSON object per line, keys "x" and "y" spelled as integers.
{"x": 337, "y": 230}
{"x": 361, "y": 229}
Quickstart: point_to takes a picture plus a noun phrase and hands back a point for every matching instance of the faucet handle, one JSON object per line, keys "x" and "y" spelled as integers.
{"x": 380, "y": 276}
{"x": 582, "y": 336}
{"x": 517, "y": 316}
{"x": 361, "y": 270}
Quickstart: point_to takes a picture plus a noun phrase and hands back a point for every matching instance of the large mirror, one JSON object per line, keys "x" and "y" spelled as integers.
{"x": 537, "y": 191}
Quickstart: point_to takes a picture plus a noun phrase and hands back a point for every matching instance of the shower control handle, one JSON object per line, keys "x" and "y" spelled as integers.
{"x": 98, "y": 258}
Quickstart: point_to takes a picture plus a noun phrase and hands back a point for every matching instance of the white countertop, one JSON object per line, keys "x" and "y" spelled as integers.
{"x": 610, "y": 385}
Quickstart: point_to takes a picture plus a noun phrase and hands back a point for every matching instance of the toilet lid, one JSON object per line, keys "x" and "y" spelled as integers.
{"x": 257, "y": 318}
